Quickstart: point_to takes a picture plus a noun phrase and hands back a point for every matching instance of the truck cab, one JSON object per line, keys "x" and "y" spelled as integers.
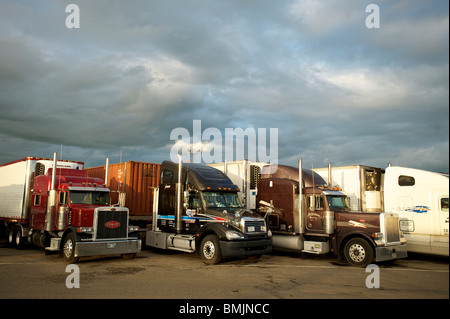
{"x": 71, "y": 213}
{"x": 198, "y": 210}
{"x": 418, "y": 197}
{"x": 421, "y": 199}
{"x": 307, "y": 215}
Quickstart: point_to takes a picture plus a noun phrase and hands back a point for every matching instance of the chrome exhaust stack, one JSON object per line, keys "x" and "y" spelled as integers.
{"x": 179, "y": 227}
{"x": 51, "y": 201}
{"x": 301, "y": 224}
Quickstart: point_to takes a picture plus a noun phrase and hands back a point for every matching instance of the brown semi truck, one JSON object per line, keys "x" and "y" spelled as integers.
{"x": 307, "y": 215}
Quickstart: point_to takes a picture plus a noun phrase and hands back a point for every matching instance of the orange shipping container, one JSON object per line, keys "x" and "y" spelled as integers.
{"x": 136, "y": 179}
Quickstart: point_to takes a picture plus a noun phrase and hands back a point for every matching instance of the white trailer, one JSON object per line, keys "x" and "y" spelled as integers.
{"x": 419, "y": 197}
{"x": 16, "y": 184}
{"x": 245, "y": 174}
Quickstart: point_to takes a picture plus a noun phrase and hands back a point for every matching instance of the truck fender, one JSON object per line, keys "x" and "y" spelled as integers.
{"x": 69, "y": 230}
{"x": 344, "y": 240}
{"x": 210, "y": 229}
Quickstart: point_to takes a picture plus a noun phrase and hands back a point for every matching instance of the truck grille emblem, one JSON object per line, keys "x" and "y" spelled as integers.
{"x": 112, "y": 224}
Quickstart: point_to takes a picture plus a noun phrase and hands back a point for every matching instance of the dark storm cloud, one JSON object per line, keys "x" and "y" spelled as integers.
{"x": 136, "y": 70}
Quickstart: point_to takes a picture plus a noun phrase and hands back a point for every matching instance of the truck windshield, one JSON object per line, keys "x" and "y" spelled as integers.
{"x": 338, "y": 202}
{"x": 220, "y": 199}
{"x": 89, "y": 198}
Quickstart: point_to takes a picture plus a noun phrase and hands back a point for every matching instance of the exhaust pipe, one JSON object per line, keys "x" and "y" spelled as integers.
{"x": 122, "y": 194}
{"x": 107, "y": 172}
{"x": 51, "y": 201}
{"x": 178, "y": 210}
{"x": 244, "y": 186}
{"x": 329, "y": 175}
{"x": 300, "y": 198}
{"x": 54, "y": 171}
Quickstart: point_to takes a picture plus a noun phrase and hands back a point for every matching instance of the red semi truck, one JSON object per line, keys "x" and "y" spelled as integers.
{"x": 55, "y": 205}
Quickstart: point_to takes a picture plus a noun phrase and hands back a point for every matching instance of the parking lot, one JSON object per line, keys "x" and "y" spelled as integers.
{"x": 153, "y": 274}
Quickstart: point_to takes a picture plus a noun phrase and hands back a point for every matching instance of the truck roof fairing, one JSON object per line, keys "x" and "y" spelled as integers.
{"x": 200, "y": 176}
{"x": 291, "y": 173}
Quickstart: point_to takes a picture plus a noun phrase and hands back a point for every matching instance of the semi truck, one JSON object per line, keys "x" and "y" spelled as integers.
{"x": 55, "y": 205}
{"x": 306, "y": 215}
{"x": 197, "y": 209}
{"x": 419, "y": 197}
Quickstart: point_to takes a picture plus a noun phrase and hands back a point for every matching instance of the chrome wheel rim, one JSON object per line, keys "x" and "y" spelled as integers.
{"x": 209, "y": 249}
{"x": 68, "y": 248}
{"x": 357, "y": 253}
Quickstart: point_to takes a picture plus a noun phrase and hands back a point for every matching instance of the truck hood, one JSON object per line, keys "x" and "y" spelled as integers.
{"x": 82, "y": 215}
{"x": 370, "y": 221}
{"x": 230, "y": 215}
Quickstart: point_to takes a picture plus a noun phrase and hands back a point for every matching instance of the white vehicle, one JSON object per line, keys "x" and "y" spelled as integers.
{"x": 245, "y": 174}
{"x": 419, "y": 197}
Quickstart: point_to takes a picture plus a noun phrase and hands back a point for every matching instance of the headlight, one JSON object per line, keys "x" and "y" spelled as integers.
{"x": 233, "y": 235}
{"x": 133, "y": 228}
{"x": 88, "y": 230}
{"x": 377, "y": 236}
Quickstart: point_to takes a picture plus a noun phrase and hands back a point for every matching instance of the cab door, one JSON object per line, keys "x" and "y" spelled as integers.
{"x": 315, "y": 213}
{"x": 167, "y": 200}
{"x": 440, "y": 242}
{"x": 38, "y": 210}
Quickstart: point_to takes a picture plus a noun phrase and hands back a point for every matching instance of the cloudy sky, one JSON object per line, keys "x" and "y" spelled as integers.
{"x": 135, "y": 70}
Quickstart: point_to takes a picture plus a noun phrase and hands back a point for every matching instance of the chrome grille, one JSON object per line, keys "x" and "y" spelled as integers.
{"x": 111, "y": 224}
{"x": 254, "y": 226}
{"x": 392, "y": 229}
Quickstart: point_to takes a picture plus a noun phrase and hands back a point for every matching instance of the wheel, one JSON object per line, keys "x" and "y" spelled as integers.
{"x": 210, "y": 250}
{"x": 358, "y": 252}
{"x": 68, "y": 248}
{"x": 19, "y": 240}
{"x": 12, "y": 236}
{"x": 128, "y": 256}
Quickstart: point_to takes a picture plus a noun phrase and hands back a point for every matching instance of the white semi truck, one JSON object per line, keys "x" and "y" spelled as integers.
{"x": 419, "y": 197}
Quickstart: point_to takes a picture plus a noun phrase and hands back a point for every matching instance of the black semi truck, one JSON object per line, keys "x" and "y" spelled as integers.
{"x": 197, "y": 209}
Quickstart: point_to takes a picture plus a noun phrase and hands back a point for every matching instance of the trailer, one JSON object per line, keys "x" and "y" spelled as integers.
{"x": 245, "y": 174}
{"x": 132, "y": 185}
{"x": 419, "y": 197}
{"x": 55, "y": 205}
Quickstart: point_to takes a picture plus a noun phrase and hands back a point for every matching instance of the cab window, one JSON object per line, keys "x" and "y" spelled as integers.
{"x": 63, "y": 198}
{"x": 444, "y": 204}
{"x": 37, "y": 200}
{"x": 315, "y": 202}
{"x": 404, "y": 180}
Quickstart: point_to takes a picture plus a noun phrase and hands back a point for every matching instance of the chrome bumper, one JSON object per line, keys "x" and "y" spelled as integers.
{"x": 97, "y": 248}
{"x": 390, "y": 252}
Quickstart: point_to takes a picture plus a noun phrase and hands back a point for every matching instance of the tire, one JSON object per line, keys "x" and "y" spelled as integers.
{"x": 12, "y": 236}
{"x": 128, "y": 256}
{"x": 210, "y": 250}
{"x": 358, "y": 252}
{"x": 19, "y": 240}
{"x": 68, "y": 248}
